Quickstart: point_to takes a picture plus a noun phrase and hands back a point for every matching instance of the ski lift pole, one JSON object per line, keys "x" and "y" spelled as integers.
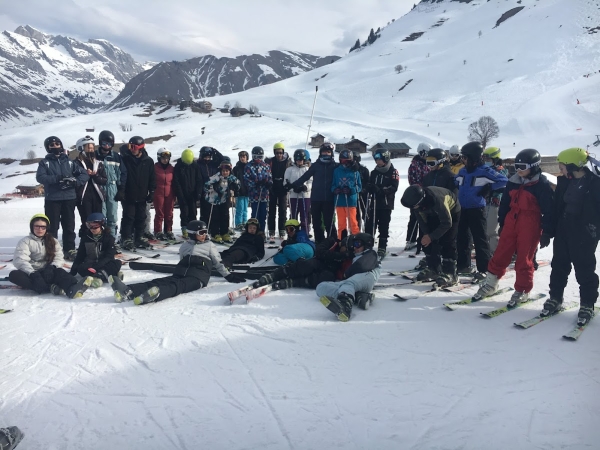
{"x": 311, "y": 117}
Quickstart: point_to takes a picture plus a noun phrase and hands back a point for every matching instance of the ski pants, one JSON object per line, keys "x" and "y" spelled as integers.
{"x": 134, "y": 218}
{"x": 110, "y": 207}
{"x": 49, "y": 275}
{"x": 473, "y": 219}
{"x": 443, "y": 248}
{"x": 241, "y": 210}
{"x": 277, "y": 206}
{"x": 169, "y": 286}
{"x": 219, "y": 222}
{"x": 234, "y": 256}
{"x": 111, "y": 268}
{"x": 259, "y": 211}
{"x": 347, "y": 218}
{"x": 62, "y": 213}
{"x": 90, "y": 203}
{"x": 187, "y": 210}
{"x": 205, "y": 208}
{"x": 293, "y": 252}
{"x": 379, "y": 220}
{"x": 325, "y": 210}
{"x": 521, "y": 237}
{"x": 491, "y": 217}
{"x": 573, "y": 245}
{"x": 301, "y": 207}
{"x": 305, "y": 273}
{"x": 361, "y": 282}
{"x": 163, "y": 213}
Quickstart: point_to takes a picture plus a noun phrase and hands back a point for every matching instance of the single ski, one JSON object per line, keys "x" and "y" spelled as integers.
{"x": 143, "y": 251}
{"x": 574, "y": 334}
{"x": 3, "y": 266}
{"x": 4, "y": 311}
{"x": 238, "y": 293}
{"x": 435, "y": 288}
{"x": 402, "y": 298}
{"x": 251, "y": 294}
{"x": 474, "y": 299}
{"x": 506, "y": 308}
{"x": 10, "y": 286}
{"x": 537, "y": 319}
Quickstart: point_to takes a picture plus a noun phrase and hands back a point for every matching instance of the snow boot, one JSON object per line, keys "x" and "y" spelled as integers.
{"x": 585, "y": 315}
{"x": 340, "y": 306}
{"x": 10, "y": 438}
{"x": 551, "y": 306}
{"x": 147, "y": 297}
{"x": 267, "y": 278}
{"x": 76, "y": 290}
{"x": 128, "y": 245}
{"x": 56, "y": 289}
{"x": 143, "y": 243}
{"x": 517, "y": 297}
{"x": 489, "y": 287}
{"x": 121, "y": 291}
{"x": 381, "y": 253}
{"x": 428, "y": 274}
{"x": 364, "y": 299}
{"x": 448, "y": 277}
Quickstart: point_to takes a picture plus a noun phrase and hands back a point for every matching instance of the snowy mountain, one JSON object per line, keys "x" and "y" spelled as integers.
{"x": 209, "y": 76}
{"x": 41, "y": 73}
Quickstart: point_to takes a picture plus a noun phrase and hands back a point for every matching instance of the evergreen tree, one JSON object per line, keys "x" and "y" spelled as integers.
{"x": 355, "y": 46}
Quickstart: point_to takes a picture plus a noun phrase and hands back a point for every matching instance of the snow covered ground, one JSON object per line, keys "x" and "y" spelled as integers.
{"x": 282, "y": 372}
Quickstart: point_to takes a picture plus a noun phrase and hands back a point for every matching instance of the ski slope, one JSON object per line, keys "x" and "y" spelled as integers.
{"x": 282, "y": 373}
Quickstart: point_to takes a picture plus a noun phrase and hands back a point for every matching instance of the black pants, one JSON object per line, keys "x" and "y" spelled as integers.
{"x": 91, "y": 203}
{"x": 573, "y": 245}
{"x": 134, "y": 219}
{"x": 473, "y": 219}
{"x": 62, "y": 213}
{"x": 205, "y": 210}
{"x": 169, "y": 286}
{"x": 50, "y": 275}
{"x": 325, "y": 210}
{"x": 277, "y": 206}
{"x": 111, "y": 268}
{"x": 444, "y": 247}
{"x": 361, "y": 210}
{"x": 219, "y": 221}
{"x": 379, "y": 220}
{"x": 413, "y": 227}
{"x": 234, "y": 256}
{"x": 187, "y": 210}
{"x": 305, "y": 273}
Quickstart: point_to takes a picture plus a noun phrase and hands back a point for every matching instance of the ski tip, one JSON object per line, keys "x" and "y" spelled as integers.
{"x": 449, "y": 306}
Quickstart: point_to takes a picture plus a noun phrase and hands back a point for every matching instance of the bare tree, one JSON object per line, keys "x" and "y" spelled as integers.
{"x": 253, "y": 109}
{"x": 31, "y": 154}
{"x": 126, "y": 126}
{"x": 227, "y": 105}
{"x": 484, "y": 130}
{"x": 237, "y": 104}
{"x": 399, "y": 68}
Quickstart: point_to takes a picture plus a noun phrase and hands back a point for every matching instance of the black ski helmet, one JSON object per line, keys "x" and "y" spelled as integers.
{"x": 437, "y": 154}
{"x": 356, "y": 155}
{"x": 472, "y": 150}
{"x": 243, "y": 153}
{"x": 206, "y": 151}
{"x": 253, "y": 221}
{"x": 226, "y": 162}
{"x": 384, "y": 155}
{"x": 346, "y": 155}
{"x": 106, "y": 136}
{"x": 413, "y": 195}
{"x": 532, "y": 158}
{"x": 96, "y": 217}
{"x": 53, "y": 140}
{"x": 326, "y": 146}
{"x": 365, "y": 238}
{"x": 136, "y": 140}
{"x": 195, "y": 226}
{"x": 258, "y": 152}
{"x": 299, "y": 155}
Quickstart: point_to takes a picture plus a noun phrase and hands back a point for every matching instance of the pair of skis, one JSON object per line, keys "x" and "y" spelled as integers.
{"x": 249, "y": 292}
{"x": 572, "y": 335}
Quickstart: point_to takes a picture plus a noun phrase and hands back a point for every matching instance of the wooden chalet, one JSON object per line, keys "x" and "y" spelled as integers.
{"x": 317, "y": 140}
{"x": 31, "y": 191}
{"x": 396, "y": 149}
{"x": 237, "y": 112}
{"x": 354, "y": 145}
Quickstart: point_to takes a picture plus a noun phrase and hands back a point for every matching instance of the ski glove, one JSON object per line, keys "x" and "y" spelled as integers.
{"x": 373, "y": 188}
{"x": 150, "y": 197}
{"x": 337, "y": 191}
{"x": 67, "y": 182}
{"x": 288, "y": 187}
{"x": 485, "y": 190}
{"x": 495, "y": 201}
{"x": 120, "y": 196}
{"x": 544, "y": 240}
{"x": 299, "y": 189}
{"x": 235, "y": 278}
{"x": 346, "y": 190}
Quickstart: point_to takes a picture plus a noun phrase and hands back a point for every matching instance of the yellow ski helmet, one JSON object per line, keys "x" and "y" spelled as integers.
{"x": 576, "y": 156}
{"x": 187, "y": 156}
{"x": 492, "y": 152}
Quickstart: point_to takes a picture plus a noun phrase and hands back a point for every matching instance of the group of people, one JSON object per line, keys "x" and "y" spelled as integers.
{"x": 464, "y": 199}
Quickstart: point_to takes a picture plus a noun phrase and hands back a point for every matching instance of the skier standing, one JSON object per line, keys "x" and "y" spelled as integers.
{"x": 188, "y": 185}
{"x": 382, "y": 187}
{"x": 91, "y": 195}
{"x": 416, "y": 172}
{"x": 258, "y": 179}
{"x": 278, "y": 195}
{"x": 60, "y": 177}
{"x": 439, "y": 174}
{"x": 475, "y": 181}
{"x": 345, "y": 186}
{"x": 456, "y": 162}
{"x": 361, "y": 210}
{"x": 525, "y": 215}
{"x": 164, "y": 196}
{"x": 218, "y": 191}
{"x": 208, "y": 164}
{"x": 116, "y": 178}
{"x": 577, "y": 216}
{"x": 241, "y": 200}
{"x": 139, "y": 190}
{"x": 299, "y": 196}
{"x": 491, "y": 158}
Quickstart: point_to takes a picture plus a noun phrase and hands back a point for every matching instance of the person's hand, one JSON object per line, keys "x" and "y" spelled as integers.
{"x": 303, "y": 188}
{"x": 545, "y": 240}
{"x": 425, "y": 240}
{"x": 373, "y": 188}
{"x": 235, "y": 278}
{"x": 67, "y": 183}
{"x": 495, "y": 201}
{"x": 337, "y": 191}
{"x": 120, "y": 196}
{"x": 346, "y": 190}
{"x": 288, "y": 186}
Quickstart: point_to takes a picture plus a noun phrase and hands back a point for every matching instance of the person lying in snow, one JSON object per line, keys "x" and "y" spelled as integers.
{"x": 296, "y": 246}
{"x": 198, "y": 256}
{"x": 248, "y": 248}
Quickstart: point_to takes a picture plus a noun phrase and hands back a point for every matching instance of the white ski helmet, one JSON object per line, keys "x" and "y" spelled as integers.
{"x": 84, "y": 141}
{"x": 423, "y": 148}
{"x": 454, "y": 150}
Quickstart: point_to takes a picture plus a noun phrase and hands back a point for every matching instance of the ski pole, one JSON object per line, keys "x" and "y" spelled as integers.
{"x": 348, "y": 230}
{"x": 334, "y": 208}
{"x": 311, "y": 116}
{"x": 210, "y": 216}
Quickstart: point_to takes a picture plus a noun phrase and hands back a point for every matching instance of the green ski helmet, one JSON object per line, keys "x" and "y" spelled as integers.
{"x": 492, "y": 152}
{"x": 187, "y": 156}
{"x": 574, "y": 158}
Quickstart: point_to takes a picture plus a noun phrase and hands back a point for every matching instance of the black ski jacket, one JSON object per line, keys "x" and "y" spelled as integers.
{"x": 278, "y": 173}
{"x": 238, "y": 172}
{"x": 253, "y": 245}
{"x": 94, "y": 253}
{"x": 187, "y": 181}
{"x": 141, "y": 178}
{"x": 443, "y": 177}
{"x": 387, "y": 182}
{"x": 322, "y": 175}
{"x": 438, "y": 211}
{"x": 365, "y": 263}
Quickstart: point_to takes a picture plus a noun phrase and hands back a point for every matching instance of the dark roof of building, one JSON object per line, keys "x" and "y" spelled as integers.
{"x": 356, "y": 140}
{"x": 392, "y": 146}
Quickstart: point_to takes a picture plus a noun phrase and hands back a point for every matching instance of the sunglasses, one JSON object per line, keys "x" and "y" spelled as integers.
{"x": 40, "y": 227}
{"x": 54, "y": 144}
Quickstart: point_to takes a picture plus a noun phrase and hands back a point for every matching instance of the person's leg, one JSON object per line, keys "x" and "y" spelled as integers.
{"x": 272, "y": 213}
{"x": 507, "y": 245}
{"x": 294, "y": 208}
{"x": 127, "y": 220}
{"x": 262, "y": 214}
{"x": 462, "y": 241}
{"x": 527, "y": 241}
{"x": 412, "y": 229}
{"x": 223, "y": 219}
{"x": 352, "y": 219}
{"x": 20, "y": 278}
{"x": 282, "y": 218}
{"x": 477, "y": 225}
{"x": 316, "y": 211}
{"x": 168, "y": 209}
{"x": 328, "y": 212}
{"x": 341, "y": 215}
{"x": 147, "y": 217}
{"x": 491, "y": 217}
{"x": 304, "y": 214}
{"x": 67, "y": 221}
{"x": 561, "y": 262}
{"x": 159, "y": 213}
{"x": 112, "y": 267}
{"x": 63, "y": 279}
{"x": 139, "y": 222}
{"x": 584, "y": 262}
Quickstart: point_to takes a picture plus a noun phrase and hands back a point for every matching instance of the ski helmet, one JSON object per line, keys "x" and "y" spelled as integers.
{"x": 528, "y": 159}
{"x": 278, "y": 146}
{"x": 53, "y": 140}
{"x": 423, "y": 148}
{"x": 326, "y": 147}
{"x": 82, "y": 142}
{"x": 43, "y": 217}
{"x": 253, "y": 221}
{"x": 365, "y": 239}
{"x": 472, "y": 150}
{"x": 454, "y": 151}
{"x": 435, "y": 157}
{"x": 137, "y": 141}
{"x": 383, "y": 155}
{"x": 106, "y": 140}
{"x": 492, "y": 152}
{"x": 574, "y": 158}
{"x": 95, "y": 218}
{"x": 225, "y": 163}
{"x": 243, "y": 153}
{"x": 187, "y": 156}
{"x": 197, "y": 227}
{"x": 163, "y": 152}
{"x": 258, "y": 152}
{"x": 413, "y": 196}
{"x": 292, "y": 223}
{"x": 206, "y": 152}
{"x": 356, "y": 155}
{"x": 346, "y": 157}
{"x": 306, "y": 155}
{"x": 299, "y": 155}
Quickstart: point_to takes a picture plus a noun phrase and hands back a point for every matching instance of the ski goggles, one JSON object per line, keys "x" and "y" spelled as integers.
{"x": 252, "y": 222}
{"x": 525, "y": 166}
{"x": 106, "y": 144}
{"x": 93, "y": 225}
{"x": 378, "y": 156}
{"x": 165, "y": 155}
{"x": 137, "y": 147}
{"x": 199, "y": 232}
{"x": 290, "y": 229}
{"x": 358, "y": 244}
{"x": 433, "y": 163}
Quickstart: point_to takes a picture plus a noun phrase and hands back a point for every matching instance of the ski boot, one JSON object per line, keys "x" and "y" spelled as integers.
{"x": 121, "y": 276}
{"x": 217, "y": 239}
{"x": 76, "y": 290}
{"x": 70, "y": 255}
{"x": 271, "y": 236}
{"x": 448, "y": 276}
{"x": 381, "y": 253}
{"x": 479, "y": 277}
{"x": 231, "y": 231}
{"x": 184, "y": 233}
{"x": 240, "y": 227}
{"x": 428, "y": 274}
{"x": 517, "y": 297}
{"x": 10, "y": 438}
{"x": 465, "y": 271}
{"x": 267, "y": 278}
{"x": 410, "y": 245}
{"x": 551, "y": 306}
{"x": 149, "y": 236}
{"x": 96, "y": 282}
{"x": 121, "y": 291}
{"x": 422, "y": 265}
{"x": 364, "y": 299}
{"x": 488, "y": 288}
{"x": 128, "y": 245}
{"x": 340, "y": 306}
{"x": 282, "y": 235}
{"x": 226, "y": 238}
{"x": 56, "y": 289}
{"x": 585, "y": 315}
{"x": 169, "y": 236}
{"x": 160, "y": 236}
{"x": 147, "y": 297}
{"x": 143, "y": 243}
